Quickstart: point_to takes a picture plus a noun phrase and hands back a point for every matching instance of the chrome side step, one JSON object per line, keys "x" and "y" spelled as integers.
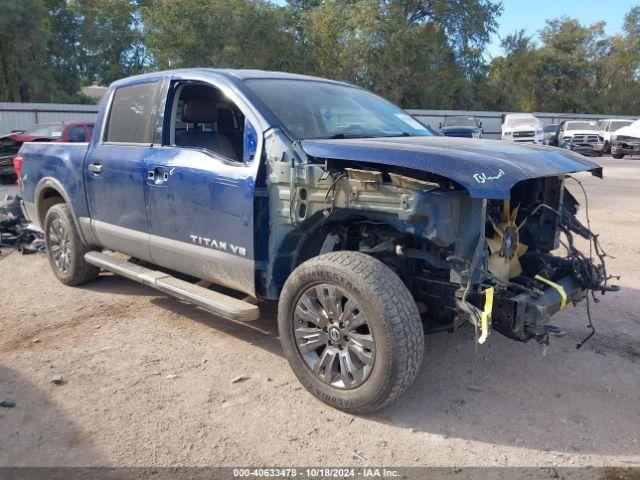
{"x": 215, "y": 302}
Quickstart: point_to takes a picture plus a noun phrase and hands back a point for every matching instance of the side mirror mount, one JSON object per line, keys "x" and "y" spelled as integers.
{"x": 250, "y": 142}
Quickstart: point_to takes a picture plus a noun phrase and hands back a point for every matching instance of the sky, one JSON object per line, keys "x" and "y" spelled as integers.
{"x": 531, "y": 15}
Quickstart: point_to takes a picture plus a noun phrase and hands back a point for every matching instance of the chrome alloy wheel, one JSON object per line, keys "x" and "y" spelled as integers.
{"x": 333, "y": 336}
{"x": 60, "y": 245}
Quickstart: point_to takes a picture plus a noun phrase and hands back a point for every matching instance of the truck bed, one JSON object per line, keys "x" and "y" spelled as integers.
{"x": 59, "y": 162}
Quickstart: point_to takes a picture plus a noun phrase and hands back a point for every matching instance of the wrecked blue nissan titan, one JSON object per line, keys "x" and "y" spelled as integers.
{"x": 367, "y": 230}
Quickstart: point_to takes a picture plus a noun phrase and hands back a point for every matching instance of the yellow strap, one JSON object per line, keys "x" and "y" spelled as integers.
{"x": 486, "y": 315}
{"x": 559, "y": 288}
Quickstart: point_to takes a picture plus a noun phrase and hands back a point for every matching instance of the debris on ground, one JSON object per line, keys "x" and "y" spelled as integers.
{"x": 57, "y": 379}
{"x": 7, "y": 404}
{"x": 15, "y": 232}
{"x": 356, "y": 455}
{"x": 240, "y": 378}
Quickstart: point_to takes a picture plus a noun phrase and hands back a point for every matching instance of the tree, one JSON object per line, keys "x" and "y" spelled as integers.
{"x": 512, "y": 80}
{"x": 419, "y": 54}
{"x": 218, "y": 33}
{"x": 62, "y": 50}
{"x": 112, "y": 44}
{"x": 23, "y": 36}
{"x": 619, "y": 70}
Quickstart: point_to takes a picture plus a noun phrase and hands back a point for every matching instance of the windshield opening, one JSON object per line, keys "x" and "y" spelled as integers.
{"x": 524, "y": 122}
{"x": 581, "y": 126}
{"x": 620, "y": 124}
{"x": 314, "y": 109}
{"x": 460, "y": 122}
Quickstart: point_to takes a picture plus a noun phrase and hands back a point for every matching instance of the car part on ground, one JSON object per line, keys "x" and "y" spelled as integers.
{"x": 15, "y": 232}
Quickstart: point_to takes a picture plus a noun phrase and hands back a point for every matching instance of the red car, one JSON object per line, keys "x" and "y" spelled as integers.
{"x": 42, "y": 132}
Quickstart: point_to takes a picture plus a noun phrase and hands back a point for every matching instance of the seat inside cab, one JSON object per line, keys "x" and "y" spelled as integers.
{"x": 204, "y": 118}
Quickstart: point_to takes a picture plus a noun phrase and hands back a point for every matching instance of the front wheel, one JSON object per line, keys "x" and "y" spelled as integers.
{"x": 617, "y": 155}
{"x": 350, "y": 330}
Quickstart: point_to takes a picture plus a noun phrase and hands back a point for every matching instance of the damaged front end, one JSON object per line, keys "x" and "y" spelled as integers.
{"x": 530, "y": 264}
{"x": 492, "y": 241}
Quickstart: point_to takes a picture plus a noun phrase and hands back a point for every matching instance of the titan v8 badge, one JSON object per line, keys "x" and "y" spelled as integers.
{"x": 218, "y": 245}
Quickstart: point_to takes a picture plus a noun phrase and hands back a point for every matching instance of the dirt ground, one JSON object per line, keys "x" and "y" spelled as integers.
{"x": 148, "y": 380}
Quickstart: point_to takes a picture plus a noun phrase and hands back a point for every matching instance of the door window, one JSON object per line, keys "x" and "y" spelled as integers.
{"x": 133, "y": 114}
{"x": 203, "y": 117}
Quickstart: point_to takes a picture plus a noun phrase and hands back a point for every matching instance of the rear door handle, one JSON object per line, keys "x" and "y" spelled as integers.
{"x": 95, "y": 168}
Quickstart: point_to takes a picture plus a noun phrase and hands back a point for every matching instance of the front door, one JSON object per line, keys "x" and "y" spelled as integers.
{"x": 115, "y": 170}
{"x": 200, "y": 189}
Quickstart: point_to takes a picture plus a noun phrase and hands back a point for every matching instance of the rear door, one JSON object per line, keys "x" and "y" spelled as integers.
{"x": 115, "y": 169}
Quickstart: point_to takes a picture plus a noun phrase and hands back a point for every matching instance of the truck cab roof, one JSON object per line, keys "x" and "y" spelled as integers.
{"x": 233, "y": 75}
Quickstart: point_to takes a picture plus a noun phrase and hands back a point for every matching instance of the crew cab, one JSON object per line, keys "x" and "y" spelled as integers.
{"x": 367, "y": 230}
{"x": 42, "y": 132}
{"x": 461, "y": 126}
{"x": 581, "y": 136}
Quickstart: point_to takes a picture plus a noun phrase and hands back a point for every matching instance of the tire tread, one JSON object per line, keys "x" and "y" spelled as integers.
{"x": 402, "y": 315}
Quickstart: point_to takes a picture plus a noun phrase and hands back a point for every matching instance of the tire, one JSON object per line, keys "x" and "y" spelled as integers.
{"x": 617, "y": 156}
{"x": 393, "y": 330}
{"x": 61, "y": 236}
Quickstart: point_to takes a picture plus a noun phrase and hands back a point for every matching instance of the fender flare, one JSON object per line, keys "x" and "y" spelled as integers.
{"x": 52, "y": 183}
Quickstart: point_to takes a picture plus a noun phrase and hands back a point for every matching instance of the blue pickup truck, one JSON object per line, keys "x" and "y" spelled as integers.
{"x": 368, "y": 230}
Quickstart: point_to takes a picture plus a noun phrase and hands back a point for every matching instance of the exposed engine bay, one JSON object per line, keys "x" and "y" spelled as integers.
{"x": 506, "y": 265}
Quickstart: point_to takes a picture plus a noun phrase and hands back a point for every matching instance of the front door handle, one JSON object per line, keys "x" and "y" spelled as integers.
{"x": 95, "y": 168}
{"x": 158, "y": 176}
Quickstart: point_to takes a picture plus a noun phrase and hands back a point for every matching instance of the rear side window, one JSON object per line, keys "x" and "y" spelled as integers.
{"x": 133, "y": 114}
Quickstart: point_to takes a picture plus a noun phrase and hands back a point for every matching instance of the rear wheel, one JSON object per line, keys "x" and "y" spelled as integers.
{"x": 65, "y": 249}
{"x": 350, "y": 330}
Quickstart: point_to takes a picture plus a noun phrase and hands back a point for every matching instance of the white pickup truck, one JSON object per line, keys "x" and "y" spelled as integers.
{"x": 522, "y": 128}
{"x": 626, "y": 141}
{"x": 580, "y": 136}
{"x": 607, "y": 127}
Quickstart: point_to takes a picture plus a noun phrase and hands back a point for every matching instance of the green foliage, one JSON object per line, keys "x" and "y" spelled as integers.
{"x": 23, "y": 42}
{"x": 417, "y": 53}
{"x": 111, "y": 42}
{"x": 576, "y": 69}
{"x": 220, "y": 33}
